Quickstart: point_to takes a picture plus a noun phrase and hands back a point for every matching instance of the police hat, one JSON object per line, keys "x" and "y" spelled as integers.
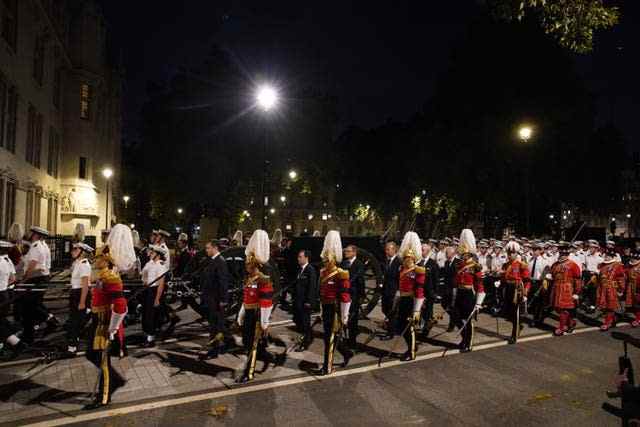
{"x": 159, "y": 250}
{"x": 39, "y": 230}
{"x": 83, "y": 246}
{"x": 5, "y": 244}
{"x": 164, "y": 233}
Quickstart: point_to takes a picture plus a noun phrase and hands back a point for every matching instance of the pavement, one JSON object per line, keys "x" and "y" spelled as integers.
{"x": 541, "y": 380}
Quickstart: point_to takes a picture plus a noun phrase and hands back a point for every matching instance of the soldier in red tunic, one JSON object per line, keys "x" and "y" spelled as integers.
{"x": 468, "y": 283}
{"x": 335, "y": 298}
{"x": 411, "y": 289}
{"x": 517, "y": 281}
{"x": 108, "y": 309}
{"x": 632, "y": 299}
{"x": 611, "y": 284}
{"x": 257, "y": 303}
{"x": 567, "y": 285}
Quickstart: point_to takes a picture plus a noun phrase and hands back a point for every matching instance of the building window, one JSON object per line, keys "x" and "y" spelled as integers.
{"x": 37, "y": 148}
{"x": 10, "y": 22}
{"x": 38, "y": 59}
{"x": 37, "y": 204}
{"x": 57, "y": 86}
{"x": 54, "y": 153}
{"x": 82, "y": 171}
{"x": 28, "y": 218}
{"x": 35, "y": 123}
{"x": 85, "y": 101}
{"x": 52, "y": 215}
{"x": 3, "y": 108}
{"x": 12, "y": 119}
{"x": 9, "y": 204}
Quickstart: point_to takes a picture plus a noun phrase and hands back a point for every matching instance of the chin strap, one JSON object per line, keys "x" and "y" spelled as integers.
{"x": 417, "y": 304}
{"x": 480, "y": 298}
{"x": 265, "y": 314}
{"x": 344, "y": 311}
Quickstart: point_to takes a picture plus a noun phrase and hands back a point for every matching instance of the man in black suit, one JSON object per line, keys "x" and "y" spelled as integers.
{"x": 215, "y": 283}
{"x": 431, "y": 281}
{"x": 356, "y": 269}
{"x": 390, "y": 285}
{"x": 448, "y": 300}
{"x": 305, "y": 298}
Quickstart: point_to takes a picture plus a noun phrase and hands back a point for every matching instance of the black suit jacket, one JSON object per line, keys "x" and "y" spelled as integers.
{"x": 215, "y": 282}
{"x": 356, "y": 276}
{"x": 432, "y": 275}
{"x": 391, "y": 273}
{"x": 306, "y": 289}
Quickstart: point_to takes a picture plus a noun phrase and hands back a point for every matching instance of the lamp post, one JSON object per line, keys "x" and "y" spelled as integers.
{"x": 125, "y": 199}
{"x": 525, "y": 133}
{"x": 266, "y": 99}
{"x": 107, "y": 173}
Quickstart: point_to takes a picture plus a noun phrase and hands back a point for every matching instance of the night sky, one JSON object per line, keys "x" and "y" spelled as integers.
{"x": 380, "y": 60}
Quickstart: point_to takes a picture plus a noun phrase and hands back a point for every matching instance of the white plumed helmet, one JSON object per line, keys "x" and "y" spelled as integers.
{"x": 332, "y": 248}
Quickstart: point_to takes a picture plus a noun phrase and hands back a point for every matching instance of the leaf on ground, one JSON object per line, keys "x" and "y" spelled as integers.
{"x": 219, "y": 411}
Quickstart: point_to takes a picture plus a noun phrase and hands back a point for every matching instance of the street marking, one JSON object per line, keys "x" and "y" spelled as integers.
{"x": 86, "y": 417}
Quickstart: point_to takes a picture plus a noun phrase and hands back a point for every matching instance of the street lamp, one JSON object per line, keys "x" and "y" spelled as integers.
{"x": 125, "y": 199}
{"x": 525, "y": 132}
{"x": 293, "y": 174}
{"x": 180, "y": 211}
{"x": 266, "y": 97}
{"x": 107, "y": 173}
{"x": 283, "y": 199}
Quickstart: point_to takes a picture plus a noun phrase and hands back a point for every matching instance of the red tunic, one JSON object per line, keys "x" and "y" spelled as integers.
{"x": 411, "y": 282}
{"x": 610, "y": 282}
{"x": 516, "y": 273}
{"x": 633, "y": 285}
{"x": 258, "y": 292}
{"x": 334, "y": 285}
{"x": 469, "y": 275}
{"x": 108, "y": 295}
{"x": 567, "y": 281}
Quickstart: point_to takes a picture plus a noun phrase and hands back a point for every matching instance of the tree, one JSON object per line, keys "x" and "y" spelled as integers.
{"x": 571, "y": 22}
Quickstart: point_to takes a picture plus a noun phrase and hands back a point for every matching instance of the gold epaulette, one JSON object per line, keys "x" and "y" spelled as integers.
{"x": 108, "y": 276}
{"x": 524, "y": 264}
{"x": 343, "y": 274}
{"x": 263, "y": 278}
{"x": 420, "y": 270}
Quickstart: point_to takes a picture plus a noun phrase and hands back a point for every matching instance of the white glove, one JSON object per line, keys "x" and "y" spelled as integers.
{"x": 575, "y": 297}
{"x": 480, "y": 299}
{"x": 397, "y": 295}
{"x": 496, "y": 283}
{"x": 265, "y": 314}
{"x": 548, "y": 276}
{"x": 112, "y": 336}
{"x": 417, "y": 304}
{"x": 115, "y": 322}
{"x": 344, "y": 312}
{"x": 241, "y": 315}
{"x": 524, "y": 299}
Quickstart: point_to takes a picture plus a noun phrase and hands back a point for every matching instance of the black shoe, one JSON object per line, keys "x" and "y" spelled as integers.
{"x": 96, "y": 404}
{"x": 347, "y": 357}
{"x": 465, "y": 349}
{"x": 387, "y": 337}
{"x": 52, "y": 325}
{"x": 172, "y": 326}
{"x": 211, "y": 354}
{"x": 321, "y": 372}
{"x": 407, "y": 357}
{"x": 243, "y": 379}
{"x": 148, "y": 344}
{"x": 512, "y": 341}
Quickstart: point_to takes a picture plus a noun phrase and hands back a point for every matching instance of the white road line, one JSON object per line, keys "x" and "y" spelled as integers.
{"x": 85, "y": 417}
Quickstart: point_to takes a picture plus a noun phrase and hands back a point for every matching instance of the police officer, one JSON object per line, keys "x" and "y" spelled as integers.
{"x": 78, "y": 297}
{"x": 37, "y": 264}
{"x": 7, "y": 278}
{"x": 153, "y": 279}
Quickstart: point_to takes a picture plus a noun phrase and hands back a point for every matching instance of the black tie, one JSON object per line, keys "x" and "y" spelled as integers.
{"x": 533, "y": 270}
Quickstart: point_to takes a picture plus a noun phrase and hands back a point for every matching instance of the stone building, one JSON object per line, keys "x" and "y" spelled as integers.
{"x": 60, "y": 115}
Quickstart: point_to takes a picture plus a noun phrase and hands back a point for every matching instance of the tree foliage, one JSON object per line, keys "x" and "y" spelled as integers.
{"x": 571, "y": 22}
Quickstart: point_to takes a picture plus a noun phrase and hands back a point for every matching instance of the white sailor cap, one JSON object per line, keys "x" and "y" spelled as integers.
{"x": 183, "y": 237}
{"x": 41, "y": 231}
{"x": 163, "y": 233}
{"x": 83, "y": 246}
{"x": 5, "y": 244}
{"x": 159, "y": 249}
{"x": 594, "y": 243}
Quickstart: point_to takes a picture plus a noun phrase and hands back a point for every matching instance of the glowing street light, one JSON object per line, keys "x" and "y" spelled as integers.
{"x": 525, "y": 133}
{"x": 293, "y": 174}
{"x": 628, "y": 215}
{"x": 266, "y": 97}
{"x": 107, "y": 173}
{"x": 125, "y": 199}
{"x": 180, "y": 211}
{"x": 551, "y": 216}
{"x": 272, "y": 211}
{"x": 283, "y": 198}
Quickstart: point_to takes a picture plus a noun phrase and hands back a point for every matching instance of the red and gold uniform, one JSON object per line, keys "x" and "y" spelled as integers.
{"x": 611, "y": 284}
{"x": 411, "y": 288}
{"x": 632, "y": 299}
{"x": 335, "y": 297}
{"x": 567, "y": 285}
{"x": 517, "y": 281}
{"x": 257, "y": 303}
{"x": 468, "y": 281}
{"x": 108, "y": 308}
